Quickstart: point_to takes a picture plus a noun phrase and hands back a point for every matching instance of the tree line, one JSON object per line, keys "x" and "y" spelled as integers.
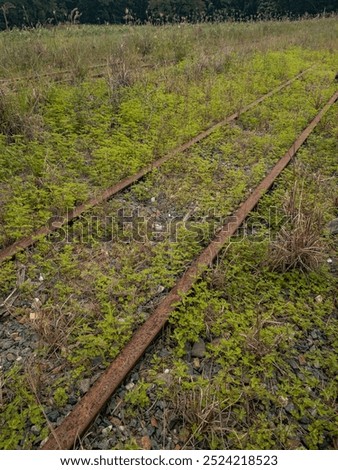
{"x": 30, "y": 13}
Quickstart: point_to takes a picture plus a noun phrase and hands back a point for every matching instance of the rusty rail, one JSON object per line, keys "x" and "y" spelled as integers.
{"x": 59, "y": 73}
{"x": 56, "y": 73}
{"x": 75, "y": 424}
{"x": 26, "y": 242}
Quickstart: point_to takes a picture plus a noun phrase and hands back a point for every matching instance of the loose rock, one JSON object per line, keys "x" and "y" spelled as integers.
{"x": 35, "y": 430}
{"x": 106, "y": 431}
{"x": 84, "y": 385}
{"x": 198, "y": 349}
{"x": 6, "y": 344}
{"x": 146, "y": 443}
{"x": 130, "y": 386}
{"x": 333, "y": 227}
{"x": 53, "y": 416}
{"x": 10, "y": 357}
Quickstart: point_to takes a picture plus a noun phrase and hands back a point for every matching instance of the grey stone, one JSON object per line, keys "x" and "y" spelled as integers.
{"x": 10, "y": 357}
{"x": 133, "y": 423}
{"x": 164, "y": 353}
{"x": 159, "y": 433}
{"x": 112, "y": 442}
{"x": 135, "y": 377}
{"x": 53, "y": 416}
{"x": 106, "y": 431}
{"x": 72, "y": 400}
{"x": 84, "y": 385}
{"x": 35, "y": 430}
{"x": 96, "y": 361}
{"x": 151, "y": 430}
{"x": 303, "y": 346}
{"x": 122, "y": 415}
{"x": 26, "y": 351}
{"x": 106, "y": 422}
{"x": 155, "y": 445}
{"x": 6, "y": 344}
{"x": 59, "y": 421}
{"x": 304, "y": 420}
{"x": 103, "y": 445}
{"x": 198, "y": 349}
{"x": 333, "y": 227}
{"x": 289, "y": 407}
{"x": 111, "y": 406}
{"x": 318, "y": 374}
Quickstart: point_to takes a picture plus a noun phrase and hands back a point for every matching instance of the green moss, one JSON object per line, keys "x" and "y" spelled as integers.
{"x": 97, "y": 293}
{"x": 19, "y": 414}
{"x": 137, "y": 396}
{"x": 60, "y": 397}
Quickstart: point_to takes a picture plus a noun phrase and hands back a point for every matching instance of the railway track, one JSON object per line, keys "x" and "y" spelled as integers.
{"x": 104, "y": 65}
{"x": 8, "y": 81}
{"x": 54, "y": 225}
{"x": 60, "y": 76}
{"x": 76, "y": 423}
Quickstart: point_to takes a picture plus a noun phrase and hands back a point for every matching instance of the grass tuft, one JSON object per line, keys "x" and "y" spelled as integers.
{"x": 299, "y": 244}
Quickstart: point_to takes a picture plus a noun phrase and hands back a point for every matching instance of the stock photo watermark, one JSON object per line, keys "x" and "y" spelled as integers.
{"x": 133, "y": 227}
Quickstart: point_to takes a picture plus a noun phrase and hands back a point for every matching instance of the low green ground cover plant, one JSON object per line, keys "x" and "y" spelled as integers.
{"x": 94, "y": 291}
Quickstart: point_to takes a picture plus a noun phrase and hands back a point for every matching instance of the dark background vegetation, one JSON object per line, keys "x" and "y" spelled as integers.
{"x": 30, "y": 13}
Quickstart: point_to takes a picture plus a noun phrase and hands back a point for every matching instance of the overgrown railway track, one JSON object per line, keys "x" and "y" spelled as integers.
{"x": 67, "y": 75}
{"x": 60, "y": 76}
{"x": 56, "y": 224}
{"x": 76, "y": 423}
{"x": 57, "y": 74}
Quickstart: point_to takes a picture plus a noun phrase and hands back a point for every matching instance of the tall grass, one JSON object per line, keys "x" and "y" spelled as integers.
{"x": 79, "y": 47}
